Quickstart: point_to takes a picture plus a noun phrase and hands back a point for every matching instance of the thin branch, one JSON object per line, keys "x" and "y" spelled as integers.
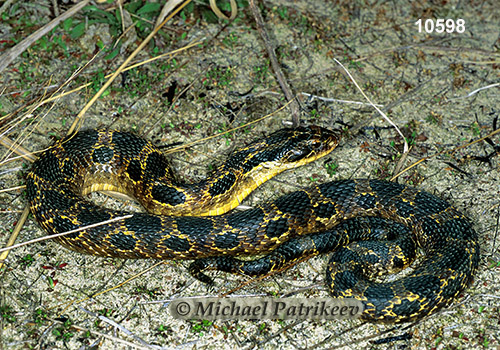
{"x": 275, "y": 64}
{"x": 15, "y": 51}
{"x": 474, "y": 92}
{"x": 79, "y": 118}
{"x": 326, "y": 99}
{"x": 44, "y": 238}
{"x": 10, "y": 243}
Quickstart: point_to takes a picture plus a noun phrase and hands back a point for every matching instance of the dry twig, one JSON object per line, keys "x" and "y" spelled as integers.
{"x": 275, "y": 64}
{"x": 15, "y": 51}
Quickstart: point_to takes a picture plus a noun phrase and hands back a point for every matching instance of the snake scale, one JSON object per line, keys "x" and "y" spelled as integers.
{"x": 371, "y": 226}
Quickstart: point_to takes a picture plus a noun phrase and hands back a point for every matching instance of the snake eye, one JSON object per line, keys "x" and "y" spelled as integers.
{"x": 304, "y": 150}
{"x": 315, "y": 145}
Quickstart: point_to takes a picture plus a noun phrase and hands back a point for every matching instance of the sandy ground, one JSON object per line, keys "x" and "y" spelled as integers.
{"x": 440, "y": 89}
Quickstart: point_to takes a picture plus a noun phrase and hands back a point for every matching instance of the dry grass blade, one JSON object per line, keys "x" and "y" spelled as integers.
{"x": 167, "y": 8}
{"x": 56, "y": 96}
{"x": 405, "y": 143}
{"x": 476, "y": 91}
{"x": 44, "y": 238}
{"x": 405, "y": 150}
{"x": 10, "y": 55}
{"x": 275, "y": 64}
{"x": 71, "y": 302}
{"x": 16, "y": 148}
{"x": 218, "y": 13}
{"x": 10, "y": 243}
{"x": 79, "y": 118}
{"x": 451, "y": 152}
{"x": 175, "y": 149}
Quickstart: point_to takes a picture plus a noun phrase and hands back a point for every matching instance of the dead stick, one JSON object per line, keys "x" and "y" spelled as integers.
{"x": 274, "y": 63}
{"x": 79, "y": 118}
{"x": 15, "y": 51}
{"x": 12, "y": 239}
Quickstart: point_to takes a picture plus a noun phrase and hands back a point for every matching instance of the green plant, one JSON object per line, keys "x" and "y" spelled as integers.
{"x": 63, "y": 332}
{"x": 231, "y": 40}
{"x": 431, "y": 119}
{"x": 218, "y": 76}
{"x": 476, "y": 130}
{"x": 314, "y": 113}
{"x": 40, "y": 316}
{"x": 201, "y": 326}
{"x": 331, "y": 168}
{"x": 412, "y": 139}
{"x": 261, "y": 72}
{"x": 282, "y": 12}
{"x": 7, "y": 313}
{"x": 106, "y": 312}
{"x": 162, "y": 328}
{"x": 227, "y": 135}
{"x": 27, "y": 260}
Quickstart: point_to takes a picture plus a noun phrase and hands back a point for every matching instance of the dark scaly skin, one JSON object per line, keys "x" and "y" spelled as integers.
{"x": 389, "y": 243}
{"x": 307, "y": 222}
{"x": 112, "y": 160}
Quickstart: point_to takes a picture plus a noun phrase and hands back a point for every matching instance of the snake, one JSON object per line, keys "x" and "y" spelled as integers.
{"x": 372, "y": 228}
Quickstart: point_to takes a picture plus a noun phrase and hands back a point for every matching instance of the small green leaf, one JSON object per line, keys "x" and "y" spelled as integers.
{"x": 67, "y": 24}
{"x": 149, "y": 7}
{"x": 61, "y": 43}
{"x": 209, "y": 16}
{"x": 118, "y": 17}
{"x": 112, "y": 54}
{"x": 77, "y": 31}
{"x": 98, "y": 14}
{"x": 43, "y": 43}
{"x": 90, "y": 8}
{"x": 133, "y": 6}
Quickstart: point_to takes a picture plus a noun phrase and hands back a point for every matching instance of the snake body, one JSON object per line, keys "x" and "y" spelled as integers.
{"x": 369, "y": 223}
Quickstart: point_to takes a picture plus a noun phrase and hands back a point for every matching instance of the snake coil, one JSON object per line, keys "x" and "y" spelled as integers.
{"x": 372, "y": 226}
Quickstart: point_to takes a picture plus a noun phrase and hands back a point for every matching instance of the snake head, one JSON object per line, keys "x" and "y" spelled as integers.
{"x": 304, "y": 144}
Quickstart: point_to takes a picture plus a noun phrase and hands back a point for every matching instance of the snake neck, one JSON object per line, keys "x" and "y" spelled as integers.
{"x": 223, "y": 190}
